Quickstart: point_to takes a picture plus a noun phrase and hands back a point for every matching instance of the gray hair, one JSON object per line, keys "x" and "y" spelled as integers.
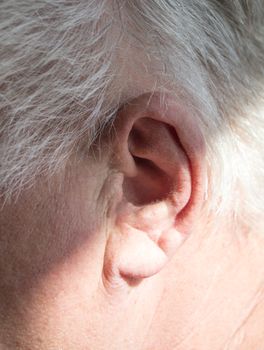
{"x": 67, "y": 66}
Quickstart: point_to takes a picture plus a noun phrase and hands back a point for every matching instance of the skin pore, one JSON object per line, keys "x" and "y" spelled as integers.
{"x": 84, "y": 268}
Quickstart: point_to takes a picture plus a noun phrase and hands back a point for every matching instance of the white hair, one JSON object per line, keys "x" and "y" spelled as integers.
{"x": 67, "y": 66}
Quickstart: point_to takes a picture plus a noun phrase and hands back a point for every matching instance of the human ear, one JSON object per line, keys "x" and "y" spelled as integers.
{"x": 160, "y": 151}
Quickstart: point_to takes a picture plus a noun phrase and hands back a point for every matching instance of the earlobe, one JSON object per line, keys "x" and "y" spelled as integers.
{"x": 144, "y": 240}
{"x": 160, "y": 152}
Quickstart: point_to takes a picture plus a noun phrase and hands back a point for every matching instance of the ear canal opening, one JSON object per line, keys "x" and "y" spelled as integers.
{"x": 149, "y": 186}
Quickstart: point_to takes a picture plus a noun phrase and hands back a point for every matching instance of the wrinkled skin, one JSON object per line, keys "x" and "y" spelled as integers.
{"x": 61, "y": 301}
{"x": 62, "y": 287}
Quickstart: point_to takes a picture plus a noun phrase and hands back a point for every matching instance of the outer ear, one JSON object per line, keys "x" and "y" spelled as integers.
{"x": 161, "y": 153}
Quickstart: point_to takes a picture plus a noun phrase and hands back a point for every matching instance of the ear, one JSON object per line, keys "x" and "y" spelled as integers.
{"x": 159, "y": 150}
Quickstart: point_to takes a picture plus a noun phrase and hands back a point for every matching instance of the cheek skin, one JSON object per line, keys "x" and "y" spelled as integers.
{"x": 46, "y": 226}
{"x": 55, "y": 242}
{"x": 52, "y": 256}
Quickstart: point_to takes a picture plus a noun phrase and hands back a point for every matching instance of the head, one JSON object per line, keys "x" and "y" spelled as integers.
{"x": 131, "y": 174}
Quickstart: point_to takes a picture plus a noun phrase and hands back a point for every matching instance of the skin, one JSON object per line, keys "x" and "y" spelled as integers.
{"x": 83, "y": 268}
